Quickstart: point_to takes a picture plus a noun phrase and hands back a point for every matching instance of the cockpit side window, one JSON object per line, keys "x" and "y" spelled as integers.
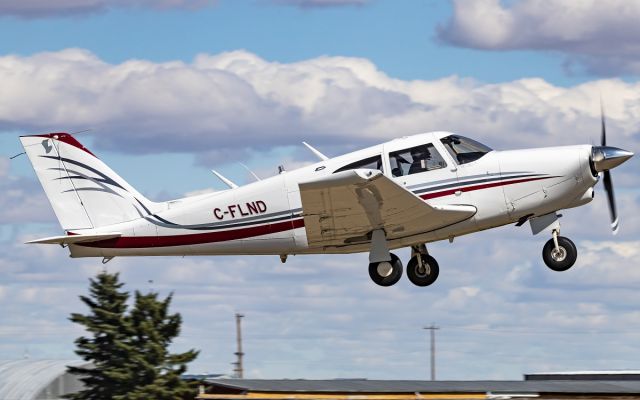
{"x": 374, "y": 162}
{"x": 415, "y": 160}
{"x": 463, "y": 149}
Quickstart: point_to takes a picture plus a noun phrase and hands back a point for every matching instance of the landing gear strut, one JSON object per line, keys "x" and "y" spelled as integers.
{"x": 559, "y": 253}
{"x": 422, "y": 269}
{"x": 385, "y": 268}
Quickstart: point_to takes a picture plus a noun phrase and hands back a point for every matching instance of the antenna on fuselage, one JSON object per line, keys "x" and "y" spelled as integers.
{"x": 226, "y": 181}
{"x": 251, "y": 172}
{"x": 315, "y": 151}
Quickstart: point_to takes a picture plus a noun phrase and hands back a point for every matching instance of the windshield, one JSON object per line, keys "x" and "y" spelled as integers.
{"x": 463, "y": 149}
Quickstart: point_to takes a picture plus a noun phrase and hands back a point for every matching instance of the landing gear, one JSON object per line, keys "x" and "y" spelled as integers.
{"x": 385, "y": 268}
{"x": 422, "y": 269}
{"x": 559, "y": 253}
{"x": 386, "y": 273}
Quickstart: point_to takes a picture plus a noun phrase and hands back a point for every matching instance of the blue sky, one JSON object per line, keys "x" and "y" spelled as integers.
{"x": 172, "y": 89}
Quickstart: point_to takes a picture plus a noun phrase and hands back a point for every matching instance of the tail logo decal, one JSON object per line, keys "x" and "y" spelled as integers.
{"x": 47, "y": 146}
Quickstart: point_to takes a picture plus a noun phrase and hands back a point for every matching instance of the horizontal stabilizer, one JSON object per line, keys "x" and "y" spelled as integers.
{"x": 61, "y": 240}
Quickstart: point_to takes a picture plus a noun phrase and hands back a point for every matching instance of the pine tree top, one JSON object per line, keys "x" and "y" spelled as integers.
{"x": 129, "y": 348}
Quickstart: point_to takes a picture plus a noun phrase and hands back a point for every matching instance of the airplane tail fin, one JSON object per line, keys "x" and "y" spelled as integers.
{"x": 84, "y": 192}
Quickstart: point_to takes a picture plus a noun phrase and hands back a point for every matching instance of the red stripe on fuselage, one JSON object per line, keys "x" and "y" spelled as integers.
{"x": 244, "y": 233}
{"x": 198, "y": 238}
{"x": 448, "y": 192}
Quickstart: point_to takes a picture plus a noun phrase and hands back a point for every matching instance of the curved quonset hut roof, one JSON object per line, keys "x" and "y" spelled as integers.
{"x": 28, "y": 379}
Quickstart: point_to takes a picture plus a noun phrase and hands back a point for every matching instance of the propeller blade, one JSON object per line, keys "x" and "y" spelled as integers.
{"x": 604, "y": 158}
{"x": 613, "y": 212}
{"x": 603, "y": 137}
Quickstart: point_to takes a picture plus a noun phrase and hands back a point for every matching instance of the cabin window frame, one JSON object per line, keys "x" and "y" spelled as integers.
{"x": 361, "y": 164}
{"x": 432, "y": 163}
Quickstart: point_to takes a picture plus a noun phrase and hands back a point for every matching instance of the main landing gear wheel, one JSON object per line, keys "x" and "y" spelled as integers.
{"x": 422, "y": 270}
{"x": 386, "y": 273}
{"x": 562, "y": 257}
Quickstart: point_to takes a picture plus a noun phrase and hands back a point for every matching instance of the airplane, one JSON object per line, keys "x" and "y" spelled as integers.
{"x": 406, "y": 192}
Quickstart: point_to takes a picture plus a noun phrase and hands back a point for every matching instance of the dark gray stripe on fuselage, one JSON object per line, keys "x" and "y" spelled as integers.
{"x": 468, "y": 179}
{"x": 143, "y": 206}
{"x": 462, "y": 185}
{"x": 268, "y": 218}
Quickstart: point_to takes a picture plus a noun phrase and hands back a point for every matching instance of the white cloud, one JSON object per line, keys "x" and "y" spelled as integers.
{"x": 238, "y": 100}
{"x": 23, "y": 200}
{"x": 46, "y": 8}
{"x": 459, "y": 297}
{"x": 600, "y": 35}
{"x": 611, "y": 262}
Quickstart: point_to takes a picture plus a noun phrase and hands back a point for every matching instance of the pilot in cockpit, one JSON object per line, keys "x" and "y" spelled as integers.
{"x": 421, "y": 157}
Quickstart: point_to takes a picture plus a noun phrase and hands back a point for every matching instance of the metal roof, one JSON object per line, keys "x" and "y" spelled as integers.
{"x": 406, "y": 386}
{"x": 629, "y": 375}
{"x": 594, "y": 372}
{"x": 25, "y": 379}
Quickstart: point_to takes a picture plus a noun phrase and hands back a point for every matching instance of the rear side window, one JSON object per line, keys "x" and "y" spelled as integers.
{"x": 374, "y": 162}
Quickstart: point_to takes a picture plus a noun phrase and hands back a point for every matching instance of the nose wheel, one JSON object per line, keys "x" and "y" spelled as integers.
{"x": 559, "y": 253}
{"x": 386, "y": 273}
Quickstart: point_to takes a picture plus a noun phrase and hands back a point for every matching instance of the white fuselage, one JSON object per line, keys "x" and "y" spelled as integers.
{"x": 265, "y": 217}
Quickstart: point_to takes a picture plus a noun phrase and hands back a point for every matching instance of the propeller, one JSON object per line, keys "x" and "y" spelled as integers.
{"x": 604, "y": 158}
{"x": 608, "y": 183}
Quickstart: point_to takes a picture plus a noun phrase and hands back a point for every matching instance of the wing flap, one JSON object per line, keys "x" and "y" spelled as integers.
{"x": 62, "y": 240}
{"x": 345, "y": 207}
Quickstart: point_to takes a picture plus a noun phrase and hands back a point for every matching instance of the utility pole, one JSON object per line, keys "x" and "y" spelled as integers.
{"x": 433, "y": 330}
{"x": 239, "y": 371}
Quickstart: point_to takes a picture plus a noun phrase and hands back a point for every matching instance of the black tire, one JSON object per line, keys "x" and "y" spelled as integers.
{"x": 423, "y": 276}
{"x": 560, "y": 261}
{"x": 392, "y": 278}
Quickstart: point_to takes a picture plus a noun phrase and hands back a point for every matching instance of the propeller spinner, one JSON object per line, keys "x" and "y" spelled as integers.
{"x": 603, "y": 159}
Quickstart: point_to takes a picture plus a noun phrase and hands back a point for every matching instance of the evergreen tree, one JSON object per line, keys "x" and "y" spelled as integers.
{"x": 106, "y": 346}
{"x": 157, "y": 371}
{"x": 129, "y": 351}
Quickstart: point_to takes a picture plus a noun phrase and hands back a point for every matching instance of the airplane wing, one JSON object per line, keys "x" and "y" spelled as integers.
{"x": 345, "y": 207}
{"x": 62, "y": 240}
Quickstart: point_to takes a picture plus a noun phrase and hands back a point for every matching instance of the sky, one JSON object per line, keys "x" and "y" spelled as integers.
{"x": 169, "y": 89}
